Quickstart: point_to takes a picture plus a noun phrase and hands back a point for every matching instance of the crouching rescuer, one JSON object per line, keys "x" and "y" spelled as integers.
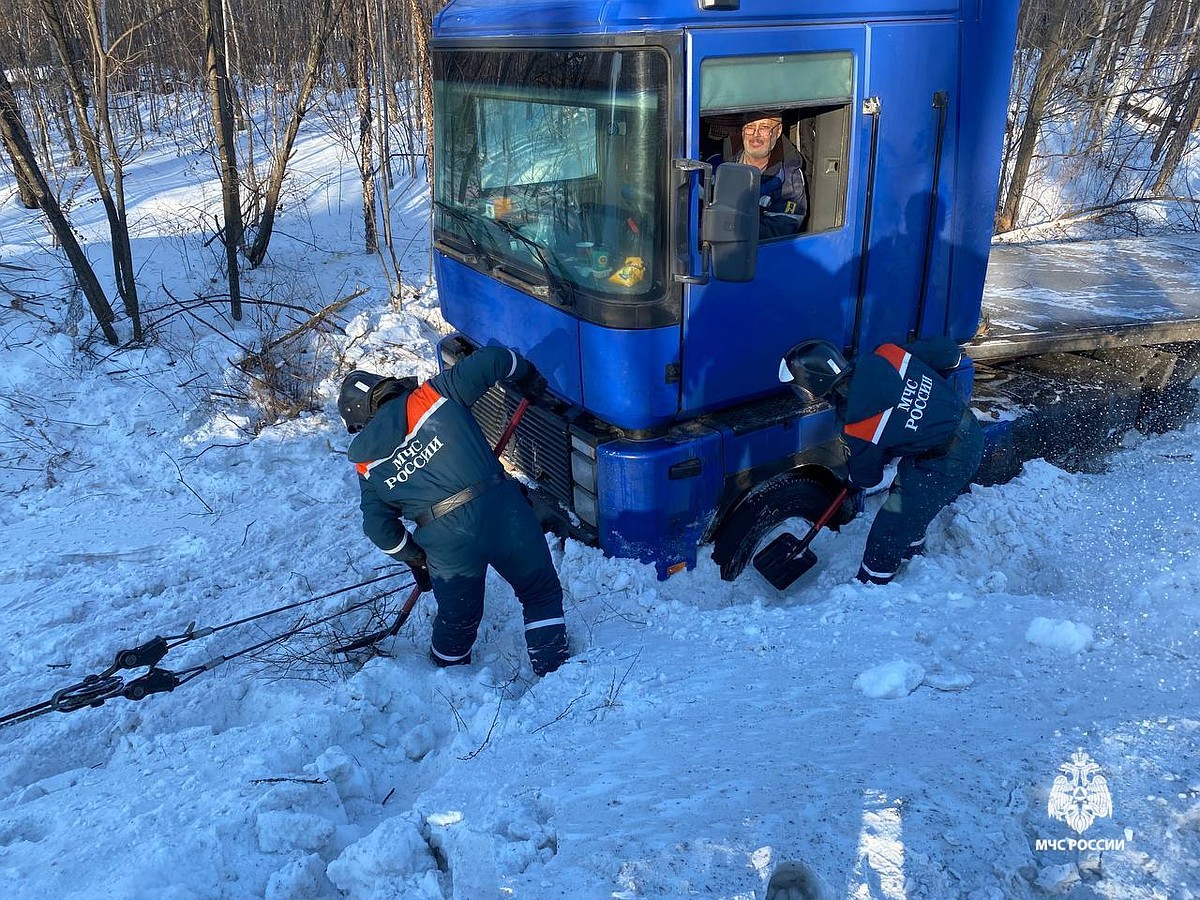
{"x": 894, "y": 404}
{"x": 420, "y": 455}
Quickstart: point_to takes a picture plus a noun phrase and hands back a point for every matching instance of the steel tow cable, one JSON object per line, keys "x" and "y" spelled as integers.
{"x": 97, "y": 688}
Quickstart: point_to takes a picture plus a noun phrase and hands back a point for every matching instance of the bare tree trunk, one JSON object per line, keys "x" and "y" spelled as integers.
{"x": 366, "y": 148}
{"x": 113, "y": 206}
{"x": 118, "y": 218}
{"x": 26, "y": 189}
{"x": 423, "y": 76}
{"x": 230, "y": 33}
{"x": 1176, "y": 132}
{"x": 62, "y": 108}
{"x": 16, "y": 141}
{"x": 222, "y": 110}
{"x": 377, "y": 26}
{"x": 383, "y": 81}
{"x": 329, "y": 16}
{"x": 1023, "y": 158}
{"x": 1051, "y": 61}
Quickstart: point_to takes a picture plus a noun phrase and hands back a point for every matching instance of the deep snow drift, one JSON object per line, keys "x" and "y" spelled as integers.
{"x": 900, "y": 741}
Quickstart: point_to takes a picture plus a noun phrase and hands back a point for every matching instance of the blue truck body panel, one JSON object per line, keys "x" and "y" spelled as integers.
{"x": 658, "y": 514}
{"x": 986, "y": 67}
{"x": 733, "y": 339}
{"x": 478, "y": 305}
{"x": 742, "y": 451}
{"x": 486, "y": 18}
{"x": 624, "y": 378}
{"x": 734, "y": 333}
{"x": 617, "y": 375}
{"x": 650, "y": 514}
{"x": 905, "y": 192}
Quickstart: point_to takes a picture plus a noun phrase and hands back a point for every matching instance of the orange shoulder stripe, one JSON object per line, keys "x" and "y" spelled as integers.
{"x": 419, "y": 402}
{"x": 897, "y": 356}
{"x": 865, "y": 429}
{"x": 870, "y": 429}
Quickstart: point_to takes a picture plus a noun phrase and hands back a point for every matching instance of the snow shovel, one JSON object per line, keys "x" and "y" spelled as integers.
{"x": 369, "y": 640}
{"x": 787, "y": 557}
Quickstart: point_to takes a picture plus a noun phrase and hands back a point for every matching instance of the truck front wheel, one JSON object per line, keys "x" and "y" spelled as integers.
{"x": 764, "y": 508}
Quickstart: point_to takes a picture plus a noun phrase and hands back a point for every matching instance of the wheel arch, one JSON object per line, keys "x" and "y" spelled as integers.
{"x": 804, "y": 491}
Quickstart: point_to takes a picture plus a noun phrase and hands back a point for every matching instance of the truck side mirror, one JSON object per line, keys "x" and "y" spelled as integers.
{"x": 730, "y": 223}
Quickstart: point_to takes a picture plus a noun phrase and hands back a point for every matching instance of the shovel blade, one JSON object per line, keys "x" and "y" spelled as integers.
{"x": 784, "y": 560}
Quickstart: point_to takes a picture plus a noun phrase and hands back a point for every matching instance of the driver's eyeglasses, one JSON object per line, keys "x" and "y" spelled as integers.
{"x": 763, "y": 128}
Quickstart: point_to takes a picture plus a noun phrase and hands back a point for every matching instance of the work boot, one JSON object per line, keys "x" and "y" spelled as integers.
{"x": 549, "y": 656}
{"x": 866, "y": 576}
{"x": 447, "y": 663}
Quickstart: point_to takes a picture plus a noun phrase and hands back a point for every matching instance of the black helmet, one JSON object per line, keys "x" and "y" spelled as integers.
{"x": 364, "y": 392}
{"x": 813, "y": 369}
{"x": 354, "y": 401}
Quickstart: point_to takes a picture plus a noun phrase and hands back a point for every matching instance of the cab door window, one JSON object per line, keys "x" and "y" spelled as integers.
{"x": 799, "y": 105}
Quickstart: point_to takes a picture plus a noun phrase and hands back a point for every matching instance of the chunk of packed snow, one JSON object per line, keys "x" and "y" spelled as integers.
{"x": 1062, "y": 635}
{"x": 889, "y": 681}
{"x": 941, "y": 678}
{"x": 393, "y": 860}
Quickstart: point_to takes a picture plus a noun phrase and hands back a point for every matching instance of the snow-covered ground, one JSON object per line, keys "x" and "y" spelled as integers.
{"x": 897, "y": 741}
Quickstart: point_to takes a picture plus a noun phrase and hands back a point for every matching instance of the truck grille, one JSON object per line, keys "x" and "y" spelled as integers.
{"x": 541, "y": 446}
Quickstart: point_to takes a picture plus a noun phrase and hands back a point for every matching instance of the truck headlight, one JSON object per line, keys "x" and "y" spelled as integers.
{"x": 583, "y": 476}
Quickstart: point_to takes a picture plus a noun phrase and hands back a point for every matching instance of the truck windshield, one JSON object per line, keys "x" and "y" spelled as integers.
{"x": 551, "y": 162}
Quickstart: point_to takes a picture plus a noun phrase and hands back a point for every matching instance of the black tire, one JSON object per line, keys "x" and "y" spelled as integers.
{"x": 764, "y": 508}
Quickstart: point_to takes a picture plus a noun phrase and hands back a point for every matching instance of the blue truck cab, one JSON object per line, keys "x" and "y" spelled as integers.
{"x": 580, "y": 217}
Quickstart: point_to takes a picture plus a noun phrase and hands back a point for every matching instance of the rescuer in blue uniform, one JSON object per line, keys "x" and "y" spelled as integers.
{"x": 420, "y": 454}
{"x": 895, "y": 403}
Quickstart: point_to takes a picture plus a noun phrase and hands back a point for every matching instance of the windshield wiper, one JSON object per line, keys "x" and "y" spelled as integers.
{"x": 469, "y": 222}
{"x": 561, "y": 289}
{"x": 473, "y": 228}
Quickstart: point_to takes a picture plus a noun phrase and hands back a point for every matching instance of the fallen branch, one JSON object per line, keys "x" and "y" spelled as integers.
{"x": 1091, "y": 213}
{"x": 292, "y": 780}
{"x": 315, "y": 319}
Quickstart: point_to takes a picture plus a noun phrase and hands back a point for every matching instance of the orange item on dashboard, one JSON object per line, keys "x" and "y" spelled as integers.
{"x": 631, "y": 273}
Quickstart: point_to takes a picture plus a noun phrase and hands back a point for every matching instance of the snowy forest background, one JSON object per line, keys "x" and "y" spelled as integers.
{"x": 1105, "y": 106}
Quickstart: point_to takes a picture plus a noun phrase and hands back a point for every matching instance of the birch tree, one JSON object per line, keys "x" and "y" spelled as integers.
{"x": 221, "y": 102}
{"x": 104, "y": 156}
